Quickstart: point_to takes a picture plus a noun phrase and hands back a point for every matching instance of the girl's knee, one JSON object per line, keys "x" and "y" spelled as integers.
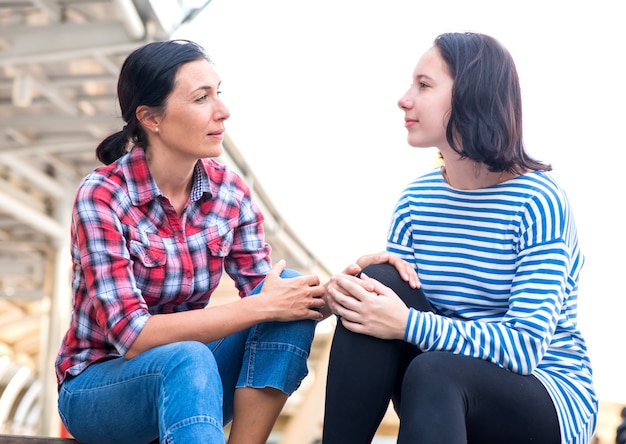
{"x": 384, "y": 273}
{"x": 389, "y": 276}
{"x": 428, "y": 363}
{"x": 434, "y": 371}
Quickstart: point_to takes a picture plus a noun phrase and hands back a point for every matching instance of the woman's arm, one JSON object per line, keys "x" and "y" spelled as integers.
{"x": 279, "y": 300}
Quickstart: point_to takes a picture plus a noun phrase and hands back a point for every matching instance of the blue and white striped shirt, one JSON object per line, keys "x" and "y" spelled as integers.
{"x": 500, "y": 265}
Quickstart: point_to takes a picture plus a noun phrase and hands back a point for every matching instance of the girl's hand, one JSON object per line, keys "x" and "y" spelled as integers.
{"x": 368, "y": 307}
{"x": 406, "y": 270}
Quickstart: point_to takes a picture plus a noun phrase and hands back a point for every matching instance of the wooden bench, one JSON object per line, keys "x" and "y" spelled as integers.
{"x": 18, "y": 439}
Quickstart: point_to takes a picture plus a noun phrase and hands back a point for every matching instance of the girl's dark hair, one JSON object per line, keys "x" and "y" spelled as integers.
{"x": 485, "y": 122}
{"x": 146, "y": 78}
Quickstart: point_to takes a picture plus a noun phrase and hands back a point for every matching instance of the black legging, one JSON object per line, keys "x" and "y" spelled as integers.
{"x": 440, "y": 397}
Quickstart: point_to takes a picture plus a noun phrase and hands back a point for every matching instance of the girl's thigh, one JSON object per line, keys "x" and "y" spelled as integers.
{"x": 456, "y": 395}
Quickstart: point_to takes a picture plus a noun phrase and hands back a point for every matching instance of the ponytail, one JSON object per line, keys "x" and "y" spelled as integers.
{"x": 112, "y": 148}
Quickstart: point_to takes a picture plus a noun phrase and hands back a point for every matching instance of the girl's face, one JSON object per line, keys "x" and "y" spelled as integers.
{"x": 427, "y": 102}
{"x": 193, "y": 123}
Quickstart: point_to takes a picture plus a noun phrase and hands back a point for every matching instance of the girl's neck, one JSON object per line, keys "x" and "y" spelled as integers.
{"x": 467, "y": 175}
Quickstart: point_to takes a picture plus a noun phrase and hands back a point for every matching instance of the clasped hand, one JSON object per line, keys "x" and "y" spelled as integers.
{"x": 366, "y": 306}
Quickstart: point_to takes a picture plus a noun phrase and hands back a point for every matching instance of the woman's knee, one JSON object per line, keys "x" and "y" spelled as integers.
{"x": 293, "y": 335}
{"x": 289, "y": 273}
{"x": 286, "y": 274}
{"x": 191, "y": 364}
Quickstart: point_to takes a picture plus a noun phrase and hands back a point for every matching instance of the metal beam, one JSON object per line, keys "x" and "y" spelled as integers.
{"x": 33, "y": 218}
{"x": 33, "y": 45}
{"x": 60, "y": 121}
{"x": 44, "y": 182}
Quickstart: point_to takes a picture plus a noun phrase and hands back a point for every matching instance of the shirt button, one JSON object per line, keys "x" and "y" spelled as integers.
{"x": 181, "y": 239}
{"x": 188, "y": 274}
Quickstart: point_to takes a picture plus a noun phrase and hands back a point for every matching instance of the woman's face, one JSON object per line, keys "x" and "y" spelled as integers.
{"x": 427, "y": 102}
{"x": 193, "y": 122}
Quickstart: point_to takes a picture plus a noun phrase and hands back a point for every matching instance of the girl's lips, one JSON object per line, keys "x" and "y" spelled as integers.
{"x": 409, "y": 122}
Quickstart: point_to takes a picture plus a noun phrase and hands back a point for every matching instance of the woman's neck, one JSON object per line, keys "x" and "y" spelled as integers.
{"x": 173, "y": 177}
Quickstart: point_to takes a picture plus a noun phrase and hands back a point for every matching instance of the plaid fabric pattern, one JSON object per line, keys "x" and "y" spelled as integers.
{"x": 134, "y": 256}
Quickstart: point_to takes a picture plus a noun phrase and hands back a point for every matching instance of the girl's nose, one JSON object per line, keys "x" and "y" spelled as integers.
{"x": 404, "y": 102}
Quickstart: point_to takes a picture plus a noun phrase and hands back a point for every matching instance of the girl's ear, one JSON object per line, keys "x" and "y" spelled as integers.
{"x": 148, "y": 119}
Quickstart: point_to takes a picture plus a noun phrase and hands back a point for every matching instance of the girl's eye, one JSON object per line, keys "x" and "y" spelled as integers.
{"x": 422, "y": 85}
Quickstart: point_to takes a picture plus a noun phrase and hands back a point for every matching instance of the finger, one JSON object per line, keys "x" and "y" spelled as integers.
{"x": 376, "y": 286}
{"x": 406, "y": 270}
{"x": 310, "y": 279}
{"x": 348, "y": 289}
{"x": 345, "y": 303}
{"x": 352, "y": 325}
{"x": 352, "y": 269}
{"x": 276, "y": 270}
{"x": 315, "y": 308}
{"x": 316, "y": 304}
{"x": 377, "y": 258}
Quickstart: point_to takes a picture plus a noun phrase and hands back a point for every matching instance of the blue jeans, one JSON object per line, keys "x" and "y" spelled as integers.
{"x": 183, "y": 392}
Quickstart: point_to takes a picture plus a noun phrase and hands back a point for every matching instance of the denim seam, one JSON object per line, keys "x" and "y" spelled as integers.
{"x": 107, "y": 386}
{"x": 189, "y": 422}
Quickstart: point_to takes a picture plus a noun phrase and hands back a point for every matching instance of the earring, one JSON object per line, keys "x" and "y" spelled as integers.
{"x": 156, "y": 129}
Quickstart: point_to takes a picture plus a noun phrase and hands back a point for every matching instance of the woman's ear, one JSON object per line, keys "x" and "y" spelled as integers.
{"x": 148, "y": 119}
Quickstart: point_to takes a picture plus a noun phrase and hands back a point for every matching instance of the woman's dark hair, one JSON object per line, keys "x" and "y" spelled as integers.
{"x": 485, "y": 122}
{"x": 146, "y": 78}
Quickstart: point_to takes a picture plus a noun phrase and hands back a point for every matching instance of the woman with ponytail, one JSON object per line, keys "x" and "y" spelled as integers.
{"x": 144, "y": 358}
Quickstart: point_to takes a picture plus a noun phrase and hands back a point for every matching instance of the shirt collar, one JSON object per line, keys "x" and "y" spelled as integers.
{"x": 141, "y": 186}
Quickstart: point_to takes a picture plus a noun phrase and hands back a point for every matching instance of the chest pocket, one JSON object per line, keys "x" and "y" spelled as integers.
{"x": 219, "y": 244}
{"x": 147, "y": 248}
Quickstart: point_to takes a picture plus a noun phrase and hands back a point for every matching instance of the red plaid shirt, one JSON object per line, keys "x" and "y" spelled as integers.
{"x": 133, "y": 256}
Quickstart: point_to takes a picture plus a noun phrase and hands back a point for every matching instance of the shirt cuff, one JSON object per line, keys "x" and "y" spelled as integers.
{"x": 410, "y": 332}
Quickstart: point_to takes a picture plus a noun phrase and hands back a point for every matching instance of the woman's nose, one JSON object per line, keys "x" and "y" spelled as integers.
{"x": 222, "y": 112}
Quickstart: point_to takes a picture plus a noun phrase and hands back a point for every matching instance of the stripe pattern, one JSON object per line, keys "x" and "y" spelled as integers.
{"x": 501, "y": 267}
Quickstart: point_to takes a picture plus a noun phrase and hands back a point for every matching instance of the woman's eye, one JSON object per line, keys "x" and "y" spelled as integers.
{"x": 422, "y": 85}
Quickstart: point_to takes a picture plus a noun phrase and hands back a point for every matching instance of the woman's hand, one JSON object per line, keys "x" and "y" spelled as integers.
{"x": 294, "y": 298}
{"x": 366, "y": 306}
{"x": 406, "y": 270}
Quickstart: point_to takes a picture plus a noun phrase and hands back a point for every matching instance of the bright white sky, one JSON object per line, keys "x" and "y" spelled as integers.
{"x": 312, "y": 88}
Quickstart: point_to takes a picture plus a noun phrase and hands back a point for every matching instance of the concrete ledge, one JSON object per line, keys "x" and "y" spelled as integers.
{"x": 17, "y": 439}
